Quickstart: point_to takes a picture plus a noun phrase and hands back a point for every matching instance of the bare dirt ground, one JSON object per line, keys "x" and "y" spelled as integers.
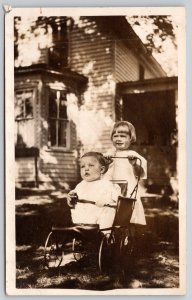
{"x": 156, "y": 264}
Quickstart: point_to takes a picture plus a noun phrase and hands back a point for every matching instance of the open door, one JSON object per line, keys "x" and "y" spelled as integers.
{"x": 151, "y": 106}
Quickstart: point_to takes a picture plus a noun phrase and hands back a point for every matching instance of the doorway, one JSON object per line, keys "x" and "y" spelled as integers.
{"x": 154, "y": 116}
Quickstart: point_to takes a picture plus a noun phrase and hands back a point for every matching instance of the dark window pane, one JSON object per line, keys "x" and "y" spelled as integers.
{"x": 58, "y": 124}
{"x": 58, "y": 56}
{"x": 28, "y": 108}
{"x": 52, "y": 132}
{"x": 62, "y": 133}
{"x": 52, "y": 104}
{"x": 55, "y": 57}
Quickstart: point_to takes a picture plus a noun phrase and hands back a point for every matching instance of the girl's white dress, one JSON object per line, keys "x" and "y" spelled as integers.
{"x": 121, "y": 169}
{"x": 101, "y": 192}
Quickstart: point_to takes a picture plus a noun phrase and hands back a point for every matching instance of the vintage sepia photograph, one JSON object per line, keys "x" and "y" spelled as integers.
{"x": 95, "y": 151}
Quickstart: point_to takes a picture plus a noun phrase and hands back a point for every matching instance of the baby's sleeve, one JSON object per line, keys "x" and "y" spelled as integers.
{"x": 116, "y": 192}
{"x": 111, "y": 193}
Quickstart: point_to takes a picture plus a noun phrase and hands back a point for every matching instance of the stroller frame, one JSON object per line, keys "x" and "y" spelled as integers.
{"x": 114, "y": 249}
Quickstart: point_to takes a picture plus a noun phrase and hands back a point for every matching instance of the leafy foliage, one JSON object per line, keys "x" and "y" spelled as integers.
{"x": 161, "y": 27}
{"x": 159, "y": 35}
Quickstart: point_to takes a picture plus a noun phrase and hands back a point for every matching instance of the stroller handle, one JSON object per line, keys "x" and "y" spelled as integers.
{"x": 92, "y": 202}
{"x": 131, "y": 157}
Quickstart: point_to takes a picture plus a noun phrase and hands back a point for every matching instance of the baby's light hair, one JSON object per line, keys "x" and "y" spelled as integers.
{"x": 99, "y": 156}
{"x": 130, "y": 127}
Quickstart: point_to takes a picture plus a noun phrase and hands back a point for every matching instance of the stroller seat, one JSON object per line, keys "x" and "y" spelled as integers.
{"x": 84, "y": 230}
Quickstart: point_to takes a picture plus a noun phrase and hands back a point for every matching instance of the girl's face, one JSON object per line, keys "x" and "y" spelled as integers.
{"x": 91, "y": 169}
{"x": 121, "y": 138}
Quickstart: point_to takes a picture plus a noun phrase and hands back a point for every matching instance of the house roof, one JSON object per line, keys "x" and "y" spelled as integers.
{"x": 42, "y": 68}
{"x": 163, "y": 83}
{"x": 125, "y": 32}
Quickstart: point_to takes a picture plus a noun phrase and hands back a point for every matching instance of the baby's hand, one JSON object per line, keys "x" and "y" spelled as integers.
{"x": 111, "y": 204}
{"x": 72, "y": 199}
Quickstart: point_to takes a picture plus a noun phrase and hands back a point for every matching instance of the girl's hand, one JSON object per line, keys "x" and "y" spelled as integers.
{"x": 109, "y": 159}
{"x": 137, "y": 168}
{"x": 132, "y": 160}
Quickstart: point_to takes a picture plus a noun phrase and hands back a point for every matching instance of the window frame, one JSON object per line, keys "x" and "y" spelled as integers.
{"x": 25, "y": 119}
{"x": 23, "y": 90}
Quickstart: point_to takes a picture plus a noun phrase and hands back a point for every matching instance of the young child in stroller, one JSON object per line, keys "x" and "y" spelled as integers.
{"x": 96, "y": 190}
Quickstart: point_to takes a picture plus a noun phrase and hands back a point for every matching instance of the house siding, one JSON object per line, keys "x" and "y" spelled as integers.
{"x": 25, "y": 169}
{"x": 91, "y": 55}
{"x": 148, "y": 74}
{"x": 59, "y": 167}
{"x": 127, "y": 64}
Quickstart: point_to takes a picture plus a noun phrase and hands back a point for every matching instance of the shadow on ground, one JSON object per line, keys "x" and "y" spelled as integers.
{"x": 156, "y": 259}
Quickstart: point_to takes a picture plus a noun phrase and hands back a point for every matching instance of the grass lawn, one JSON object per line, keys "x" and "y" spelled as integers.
{"x": 156, "y": 264}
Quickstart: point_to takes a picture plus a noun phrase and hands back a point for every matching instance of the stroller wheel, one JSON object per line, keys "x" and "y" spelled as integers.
{"x": 78, "y": 249}
{"x": 106, "y": 253}
{"x": 126, "y": 254}
{"x": 53, "y": 251}
{"x": 126, "y": 246}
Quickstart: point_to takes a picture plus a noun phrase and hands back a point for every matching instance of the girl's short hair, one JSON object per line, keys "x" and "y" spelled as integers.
{"x": 100, "y": 157}
{"x": 130, "y": 127}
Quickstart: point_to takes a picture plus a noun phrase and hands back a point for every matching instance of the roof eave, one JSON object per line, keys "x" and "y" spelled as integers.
{"x": 43, "y": 69}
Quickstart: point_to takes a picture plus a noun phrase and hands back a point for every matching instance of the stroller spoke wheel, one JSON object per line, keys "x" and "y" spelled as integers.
{"x": 53, "y": 251}
{"x": 106, "y": 253}
{"x": 78, "y": 249}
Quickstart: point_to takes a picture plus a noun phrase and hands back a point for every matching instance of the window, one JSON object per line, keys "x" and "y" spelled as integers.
{"x": 58, "y": 53}
{"x": 24, "y": 117}
{"x": 59, "y": 127}
{"x": 24, "y": 105}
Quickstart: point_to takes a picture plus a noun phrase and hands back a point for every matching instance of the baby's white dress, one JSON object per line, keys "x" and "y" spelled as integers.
{"x": 100, "y": 191}
{"x": 121, "y": 169}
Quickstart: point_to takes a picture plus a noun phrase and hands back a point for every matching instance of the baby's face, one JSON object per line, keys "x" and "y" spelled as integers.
{"x": 91, "y": 169}
{"x": 121, "y": 138}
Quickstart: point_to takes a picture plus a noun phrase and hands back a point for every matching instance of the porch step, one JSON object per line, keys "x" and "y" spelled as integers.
{"x": 158, "y": 201}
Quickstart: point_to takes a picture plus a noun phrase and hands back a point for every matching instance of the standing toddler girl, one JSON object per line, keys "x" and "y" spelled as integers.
{"x": 123, "y": 135}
